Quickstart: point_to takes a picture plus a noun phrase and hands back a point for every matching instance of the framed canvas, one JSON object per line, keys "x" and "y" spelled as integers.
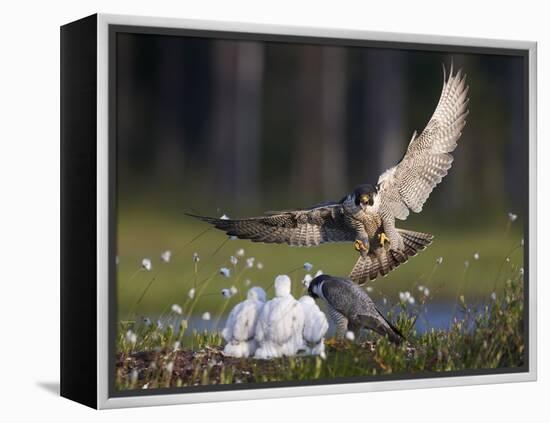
{"x": 254, "y": 211}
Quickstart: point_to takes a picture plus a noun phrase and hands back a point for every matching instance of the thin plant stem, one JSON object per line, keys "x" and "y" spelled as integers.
{"x": 460, "y": 285}
{"x": 220, "y": 314}
{"x": 159, "y": 272}
{"x": 135, "y": 274}
{"x": 287, "y": 273}
{"x": 507, "y": 257}
{"x": 191, "y": 241}
{"x": 132, "y": 310}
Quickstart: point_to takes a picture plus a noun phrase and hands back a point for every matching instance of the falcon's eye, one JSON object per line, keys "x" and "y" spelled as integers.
{"x": 365, "y": 199}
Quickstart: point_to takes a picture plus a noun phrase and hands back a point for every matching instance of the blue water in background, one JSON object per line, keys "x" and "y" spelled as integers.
{"x": 436, "y": 316}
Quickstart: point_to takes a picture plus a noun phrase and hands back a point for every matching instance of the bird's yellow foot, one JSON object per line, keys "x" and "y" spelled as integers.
{"x": 360, "y": 245}
{"x": 331, "y": 342}
{"x": 383, "y": 239}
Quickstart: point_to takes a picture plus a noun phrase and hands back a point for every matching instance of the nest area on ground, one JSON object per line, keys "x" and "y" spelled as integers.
{"x": 190, "y": 368}
{"x": 490, "y": 338}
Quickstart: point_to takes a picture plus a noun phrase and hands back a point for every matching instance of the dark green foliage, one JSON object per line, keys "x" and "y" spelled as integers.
{"x": 486, "y": 336}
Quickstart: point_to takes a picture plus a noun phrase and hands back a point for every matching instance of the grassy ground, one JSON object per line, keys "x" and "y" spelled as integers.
{"x": 152, "y": 293}
{"x": 489, "y": 335}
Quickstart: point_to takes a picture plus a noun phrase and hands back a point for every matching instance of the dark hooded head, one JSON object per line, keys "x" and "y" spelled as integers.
{"x": 364, "y": 195}
{"x": 314, "y": 288}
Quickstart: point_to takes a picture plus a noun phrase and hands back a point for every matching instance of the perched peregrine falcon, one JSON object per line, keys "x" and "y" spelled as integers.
{"x": 367, "y": 215}
{"x": 351, "y": 308}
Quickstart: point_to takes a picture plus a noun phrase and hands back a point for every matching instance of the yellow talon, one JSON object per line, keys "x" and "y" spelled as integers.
{"x": 359, "y": 245}
{"x": 383, "y": 239}
{"x": 331, "y": 342}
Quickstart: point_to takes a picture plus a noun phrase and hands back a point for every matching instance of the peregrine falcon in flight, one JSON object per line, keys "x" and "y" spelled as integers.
{"x": 350, "y": 307}
{"x": 367, "y": 215}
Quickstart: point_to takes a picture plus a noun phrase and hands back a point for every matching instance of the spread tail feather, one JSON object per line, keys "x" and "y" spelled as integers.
{"x": 382, "y": 261}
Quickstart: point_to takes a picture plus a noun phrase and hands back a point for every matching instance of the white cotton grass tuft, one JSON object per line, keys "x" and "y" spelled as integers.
{"x": 196, "y": 257}
{"x": 369, "y": 289}
{"x": 176, "y": 308}
{"x": 260, "y": 265}
{"x": 247, "y": 282}
{"x": 147, "y": 264}
{"x": 226, "y": 293}
{"x": 307, "y": 280}
{"x": 131, "y": 337}
{"x": 250, "y": 262}
{"x": 166, "y": 256}
{"x": 233, "y": 260}
{"x": 421, "y": 287}
{"x": 225, "y": 272}
{"x": 466, "y": 264}
{"x": 439, "y": 260}
{"x": 426, "y": 292}
{"x": 206, "y": 316}
{"x": 493, "y": 296}
{"x": 224, "y": 217}
{"x": 350, "y": 336}
{"x": 191, "y": 293}
{"x": 512, "y": 217}
{"x": 240, "y": 252}
{"x": 476, "y": 256}
{"x": 308, "y": 266}
{"x": 233, "y": 290}
{"x": 404, "y": 296}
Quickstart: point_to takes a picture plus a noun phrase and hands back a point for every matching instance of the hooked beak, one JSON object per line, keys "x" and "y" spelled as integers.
{"x": 311, "y": 293}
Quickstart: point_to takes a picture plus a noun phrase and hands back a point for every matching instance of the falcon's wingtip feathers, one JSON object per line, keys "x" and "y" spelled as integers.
{"x": 203, "y": 218}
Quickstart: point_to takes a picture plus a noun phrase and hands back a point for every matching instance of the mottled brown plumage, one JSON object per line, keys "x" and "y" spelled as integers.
{"x": 298, "y": 228}
{"x": 367, "y": 215}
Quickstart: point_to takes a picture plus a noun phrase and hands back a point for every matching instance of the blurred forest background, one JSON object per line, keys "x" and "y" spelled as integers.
{"x": 238, "y": 127}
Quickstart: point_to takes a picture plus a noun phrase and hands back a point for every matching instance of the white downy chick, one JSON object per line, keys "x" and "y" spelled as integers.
{"x": 315, "y": 326}
{"x": 280, "y": 325}
{"x": 240, "y": 327}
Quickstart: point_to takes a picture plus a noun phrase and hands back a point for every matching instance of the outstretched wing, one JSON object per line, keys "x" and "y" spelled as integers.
{"x": 427, "y": 160}
{"x": 301, "y": 228}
